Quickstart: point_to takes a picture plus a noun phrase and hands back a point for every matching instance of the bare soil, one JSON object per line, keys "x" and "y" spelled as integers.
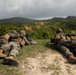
{"x": 47, "y": 63}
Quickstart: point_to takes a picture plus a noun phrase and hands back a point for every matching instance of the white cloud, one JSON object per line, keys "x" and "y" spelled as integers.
{"x": 37, "y": 8}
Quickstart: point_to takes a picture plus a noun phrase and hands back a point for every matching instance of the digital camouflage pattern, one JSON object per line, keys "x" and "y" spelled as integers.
{"x": 63, "y": 44}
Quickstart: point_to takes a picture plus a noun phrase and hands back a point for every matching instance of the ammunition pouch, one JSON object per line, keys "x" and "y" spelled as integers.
{"x": 6, "y": 37}
{"x": 21, "y": 41}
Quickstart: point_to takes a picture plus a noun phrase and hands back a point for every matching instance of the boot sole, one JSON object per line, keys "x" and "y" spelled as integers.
{"x": 11, "y": 62}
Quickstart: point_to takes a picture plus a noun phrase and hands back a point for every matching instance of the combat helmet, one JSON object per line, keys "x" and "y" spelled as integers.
{"x": 72, "y": 32}
{"x": 14, "y": 32}
{"x": 22, "y": 32}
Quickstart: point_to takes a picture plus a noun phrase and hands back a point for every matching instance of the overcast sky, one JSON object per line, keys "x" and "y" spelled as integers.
{"x": 37, "y": 9}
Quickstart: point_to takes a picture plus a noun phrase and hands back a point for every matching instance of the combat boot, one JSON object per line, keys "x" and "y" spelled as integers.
{"x": 72, "y": 59}
{"x": 10, "y": 61}
{"x": 2, "y": 55}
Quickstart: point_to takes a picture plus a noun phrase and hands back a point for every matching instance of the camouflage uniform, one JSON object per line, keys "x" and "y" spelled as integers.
{"x": 62, "y": 44}
{"x": 15, "y": 45}
{"x": 26, "y": 38}
{"x": 73, "y": 39}
{"x": 22, "y": 35}
{"x": 14, "y": 48}
{"x": 4, "y": 45}
{"x": 64, "y": 49}
{"x": 73, "y": 36}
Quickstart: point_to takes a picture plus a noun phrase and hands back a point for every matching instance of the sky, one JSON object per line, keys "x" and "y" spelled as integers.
{"x": 37, "y": 9}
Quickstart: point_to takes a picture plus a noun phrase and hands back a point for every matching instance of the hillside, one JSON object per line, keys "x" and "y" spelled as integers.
{"x": 20, "y": 20}
{"x": 38, "y": 29}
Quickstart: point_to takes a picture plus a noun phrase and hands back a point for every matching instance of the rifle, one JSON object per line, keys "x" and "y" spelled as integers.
{"x": 70, "y": 34}
{"x": 54, "y": 41}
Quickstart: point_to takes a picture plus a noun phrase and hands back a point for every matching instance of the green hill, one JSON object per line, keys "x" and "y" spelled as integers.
{"x": 18, "y": 20}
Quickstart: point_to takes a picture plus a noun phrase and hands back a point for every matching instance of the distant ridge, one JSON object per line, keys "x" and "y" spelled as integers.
{"x": 20, "y": 20}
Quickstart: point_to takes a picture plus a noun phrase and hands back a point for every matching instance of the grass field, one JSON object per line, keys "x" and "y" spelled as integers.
{"x": 40, "y": 59}
{"x": 26, "y": 51}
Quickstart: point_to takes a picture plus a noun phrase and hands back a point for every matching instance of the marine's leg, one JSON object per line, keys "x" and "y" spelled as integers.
{"x": 10, "y": 59}
{"x": 65, "y": 51}
{"x": 68, "y": 54}
{"x": 15, "y": 49}
{"x": 3, "y": 49}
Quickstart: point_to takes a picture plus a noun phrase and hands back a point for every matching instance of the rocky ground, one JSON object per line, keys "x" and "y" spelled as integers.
{"x": 47, "y": 63}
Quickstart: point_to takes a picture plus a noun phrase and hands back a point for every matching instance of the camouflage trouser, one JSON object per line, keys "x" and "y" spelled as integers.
{"x": 3, "y": 41}
{"x": 64, "y": 50}
{"x": 5, "y": 47}
{"x": 12, "y": 47}
{"x": 15, "y": 48}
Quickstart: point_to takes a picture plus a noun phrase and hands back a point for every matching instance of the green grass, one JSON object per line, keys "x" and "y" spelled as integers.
{"x": 26, "y": 51}
{"x": 33, "y": 50}
{"x": 8, "y": 70}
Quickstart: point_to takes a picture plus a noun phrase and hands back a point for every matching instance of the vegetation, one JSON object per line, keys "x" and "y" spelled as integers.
{"x": 44, "y": 29}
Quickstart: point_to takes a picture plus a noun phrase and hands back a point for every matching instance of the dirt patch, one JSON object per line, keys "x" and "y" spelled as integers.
{"x": 28, "y": 27}
{"x": 47, "y": 63}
